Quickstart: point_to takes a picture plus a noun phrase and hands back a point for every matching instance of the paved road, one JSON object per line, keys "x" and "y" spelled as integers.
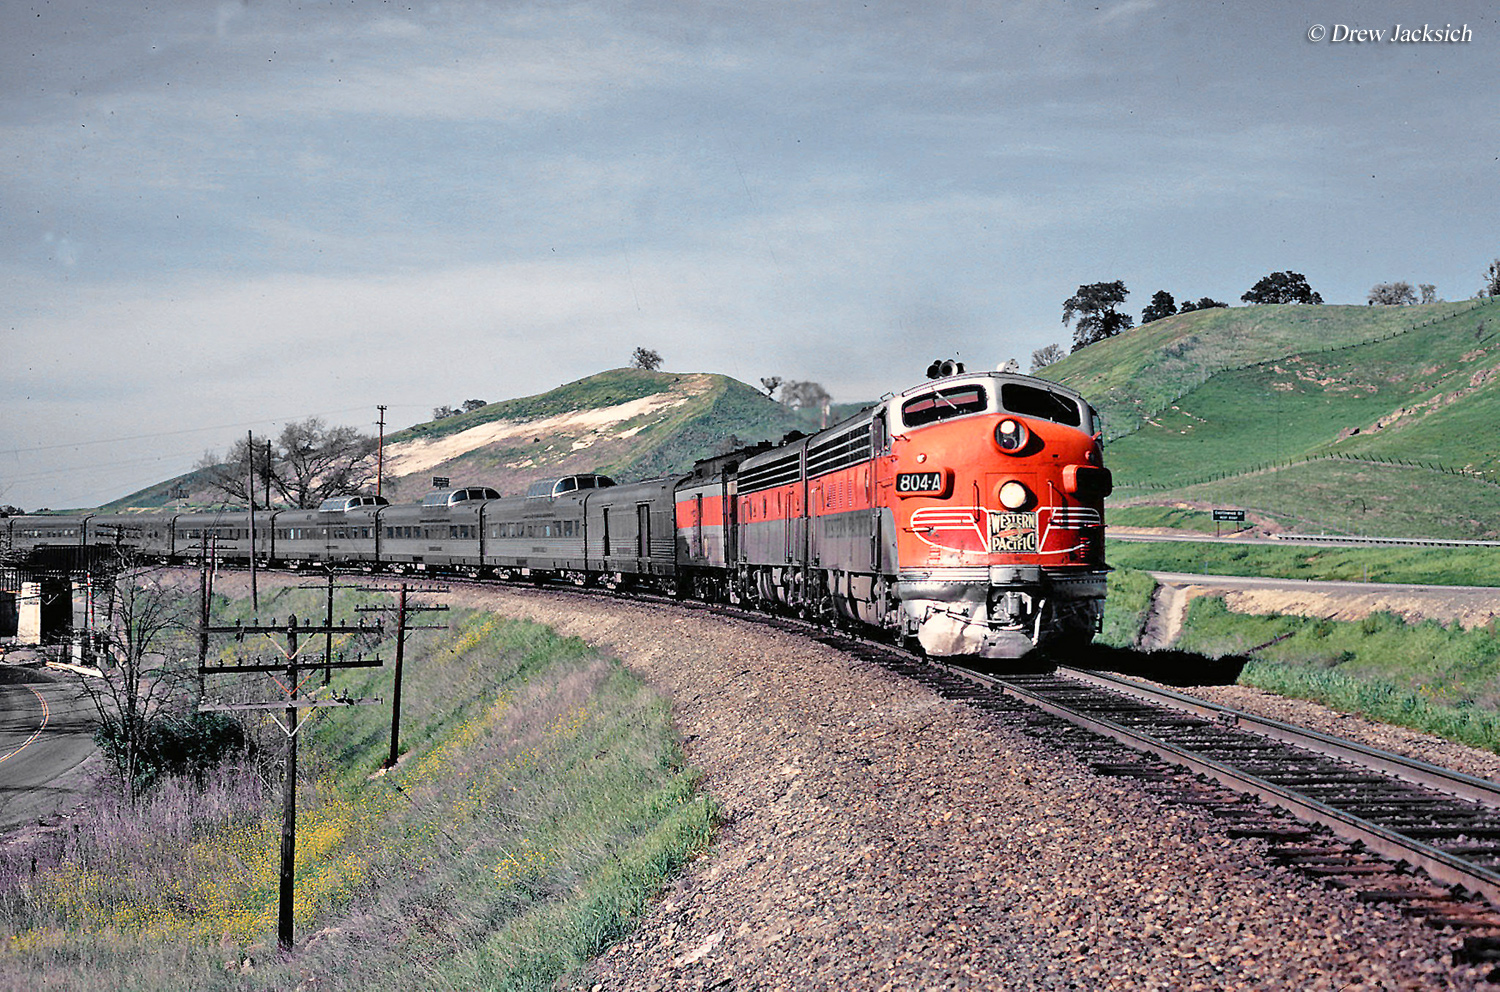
{"x": 46, "y": 734}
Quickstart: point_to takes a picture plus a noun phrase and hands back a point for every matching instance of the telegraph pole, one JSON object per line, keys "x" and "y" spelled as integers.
{"x": 380, "y": 452}
{"x": 404, "y": 609}
{"x": 266, "y": 474}
{"x": 289, "y": 797}
{"x": 294, "y": 702}
{"x": 250, "y": 493}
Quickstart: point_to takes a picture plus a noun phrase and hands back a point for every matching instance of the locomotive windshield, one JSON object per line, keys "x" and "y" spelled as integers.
{"x": 1028, "y": 401}
{"x": 955, "y": 401}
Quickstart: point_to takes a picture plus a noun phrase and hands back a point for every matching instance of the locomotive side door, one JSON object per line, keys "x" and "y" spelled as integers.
{"x": 731, "y": 517}
{"x": 880, "y": 442}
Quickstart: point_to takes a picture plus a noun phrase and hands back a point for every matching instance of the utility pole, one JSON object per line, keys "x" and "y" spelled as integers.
{"x": 250, "y": 492}
{"x": 328, "y": 632}
{"x": 404, "y": 609}
{"x": 294, "y": 702}
{"x": 380, "y": 452}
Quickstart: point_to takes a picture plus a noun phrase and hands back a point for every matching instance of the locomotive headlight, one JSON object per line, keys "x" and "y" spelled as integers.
{"x": 1013, "y": 495}
{"x": 1011, "y": 436}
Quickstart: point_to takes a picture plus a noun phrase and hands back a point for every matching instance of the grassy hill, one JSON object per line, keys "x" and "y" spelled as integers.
{"x": 629, "y": 424}
{"x": 626, "y": 423}
{"x": 1373, "y": 420}
{"x": 162, "y": 494}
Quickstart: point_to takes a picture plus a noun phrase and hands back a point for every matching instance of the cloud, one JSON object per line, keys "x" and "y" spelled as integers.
{"x": 1119, "y": 14}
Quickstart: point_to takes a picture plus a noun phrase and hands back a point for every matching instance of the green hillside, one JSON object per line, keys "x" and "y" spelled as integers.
{"x": 588, "y": 426}
{"x": 601, "y": 390}
{"x": 1139, "y": 373}
{"x": 156, "y": 496}
{"x": 582, "y": 426}
{"x": 1372, "y": 420}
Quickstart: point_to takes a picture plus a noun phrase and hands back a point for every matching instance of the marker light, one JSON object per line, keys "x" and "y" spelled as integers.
{"x": 1011, "y": 436}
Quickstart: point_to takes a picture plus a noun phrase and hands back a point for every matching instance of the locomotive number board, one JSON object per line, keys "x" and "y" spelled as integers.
{"x": 922, "y": 483}
{"x": 1012, "y": 533}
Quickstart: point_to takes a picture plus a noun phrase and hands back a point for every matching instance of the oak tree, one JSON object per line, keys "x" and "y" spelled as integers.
{"x": 1282, "y": 287}
{"x": 1094, "y": 308}
{"x": 645, "y": 358}
{"x": 1161, "y": 305}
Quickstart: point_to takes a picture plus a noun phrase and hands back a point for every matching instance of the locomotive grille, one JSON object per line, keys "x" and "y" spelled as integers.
{"x": 1076, "y": 518}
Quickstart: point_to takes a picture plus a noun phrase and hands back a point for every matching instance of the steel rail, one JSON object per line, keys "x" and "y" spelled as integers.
{"x": 1412, "y": 770}
{"x": 1440, "y": 865}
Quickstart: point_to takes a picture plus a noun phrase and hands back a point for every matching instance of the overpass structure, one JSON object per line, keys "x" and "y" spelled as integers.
{"x": 37, "y": 591}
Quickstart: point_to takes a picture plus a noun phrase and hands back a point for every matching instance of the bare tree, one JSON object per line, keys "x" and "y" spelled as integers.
{"x": 318, "y": 461}
{"x": 1491, "y": 285}
{"x": 1392, "y": 294}
{"x": 306, "y": 464}
{"x": 1043, "y": 357}
{"x": 1429, "y": 292}
{"x": 142, "y": 649}
{"x": 804, "y": 395}
{"x": 250, "y": 457}
{"x": 645, "y": 358}
{"x": 770, "y": 384}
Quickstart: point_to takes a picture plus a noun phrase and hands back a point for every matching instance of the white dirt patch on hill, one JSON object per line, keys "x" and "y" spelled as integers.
{"x": 410, "y": 457}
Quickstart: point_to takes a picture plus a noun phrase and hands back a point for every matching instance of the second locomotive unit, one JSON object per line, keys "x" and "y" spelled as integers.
{"x": 966, "y": 514}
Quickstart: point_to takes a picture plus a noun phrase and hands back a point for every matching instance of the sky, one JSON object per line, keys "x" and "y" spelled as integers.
{"x": 223, "y": 216}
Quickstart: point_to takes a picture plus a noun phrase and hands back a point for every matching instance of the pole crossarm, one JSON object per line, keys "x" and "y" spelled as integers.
{"x": 282, "y": 666}
{"x": 287, "y": 704}
{"x": 342, "y": 628}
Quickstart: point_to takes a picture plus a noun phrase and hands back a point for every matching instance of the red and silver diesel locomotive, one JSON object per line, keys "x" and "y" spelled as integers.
{"x": 965, "y": 514}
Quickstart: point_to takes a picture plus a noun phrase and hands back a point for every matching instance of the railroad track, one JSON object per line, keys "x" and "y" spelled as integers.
{"x": 1445, "y": 822}
{"x": 1387, "y": 814}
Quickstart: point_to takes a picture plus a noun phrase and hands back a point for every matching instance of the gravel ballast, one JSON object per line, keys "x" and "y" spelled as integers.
{"x": 880, "y": 837}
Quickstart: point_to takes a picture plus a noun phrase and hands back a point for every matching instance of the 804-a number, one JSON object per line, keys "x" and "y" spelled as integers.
{"x": 926, "y": 483}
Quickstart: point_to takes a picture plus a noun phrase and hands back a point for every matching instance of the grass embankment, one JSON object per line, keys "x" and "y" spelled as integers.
{"x": 1331, "y": 495}
{"x": 1440, "y": 679}
{"x": 540, "y": 803}
{"x": 1127, "y": 604}
{"x": 1169, "y": 517}
{"x": 1436, "y": 678}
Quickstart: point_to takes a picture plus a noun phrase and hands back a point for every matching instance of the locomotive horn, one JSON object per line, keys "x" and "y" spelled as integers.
{"x": 942, "y": 368}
